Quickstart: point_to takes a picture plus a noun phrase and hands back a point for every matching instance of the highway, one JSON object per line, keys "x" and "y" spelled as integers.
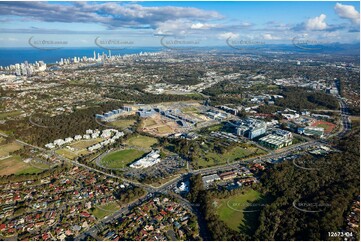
{"x": 166, "y": 187}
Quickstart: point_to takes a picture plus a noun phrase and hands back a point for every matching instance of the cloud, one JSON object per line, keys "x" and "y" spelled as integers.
{"x": 270, "y": 37}
{"x": 228, "y": 35}
{"x": 111, "y": 14}
{"x": 203, "y": 26}
{"x": 347, "y": 12}
{"x": 317, "y": 23}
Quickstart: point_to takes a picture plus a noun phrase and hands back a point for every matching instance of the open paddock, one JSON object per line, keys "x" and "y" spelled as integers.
{"x": 159, "y": 126}
{"x": 8, "y": 148}
{"x": 123, "y": 123}
{"x": 15, "y": 165}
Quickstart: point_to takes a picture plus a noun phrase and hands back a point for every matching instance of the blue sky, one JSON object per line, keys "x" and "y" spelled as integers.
{"x": 146, "y": 23}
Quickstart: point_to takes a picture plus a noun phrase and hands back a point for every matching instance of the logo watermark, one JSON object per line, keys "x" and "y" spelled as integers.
{"x": 240, "y": 44}
{"x": 179, "y": 43}
{"x": 245, "y": 207}
{"x": 305, "y": 43}
{"x": 47, "y": 44}
{"x": 308, "y": 207}
{"x": 113, "y": 44}
{"x": 316, "y": 164}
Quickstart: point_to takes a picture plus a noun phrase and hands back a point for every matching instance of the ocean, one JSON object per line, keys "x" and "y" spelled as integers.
{"x": 10, "y": 56}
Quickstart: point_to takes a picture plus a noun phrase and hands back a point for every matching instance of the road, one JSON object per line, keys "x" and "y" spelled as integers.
{"x": 164, "y": 188}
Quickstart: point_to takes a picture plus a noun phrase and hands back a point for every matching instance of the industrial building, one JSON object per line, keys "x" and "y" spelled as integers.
{"x": 251, "y": 128}
{"x": 127, "y": 108}
{"x": 210, "y": 179}
{"x": 109, "y": 114}
{"x": 275, "y": 141}
{"x": 145, "y": 113}
{"x": 314, "y": 131}
{"x": 228, "y": 175}
{"x": 233, "y": 111}
{"x": 283, "y": 133}
{"x": 219, "y": 116}
{"x": 176, "y": 115}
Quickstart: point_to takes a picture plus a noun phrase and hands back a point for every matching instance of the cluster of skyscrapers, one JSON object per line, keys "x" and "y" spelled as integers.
{"x": 24, "y": 69}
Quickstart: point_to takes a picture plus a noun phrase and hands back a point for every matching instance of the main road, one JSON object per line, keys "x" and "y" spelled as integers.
{"x": 164, "y": 188}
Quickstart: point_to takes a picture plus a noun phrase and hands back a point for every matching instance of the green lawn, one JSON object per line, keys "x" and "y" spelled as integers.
{"x": 29, "y": 170}
{"x": 105, "y": 210}
{"x": 66, "y": 153}
{"x": 121, "y": 158}
{"x": 241, "y": 211}
{"x": 218, "y": 159}
{"x": 82, "y": 144}
{"x": 190, "y": 109}
{"x": 123, "y": 123}
{"x": 141, "y": 141}
{"x": 216, "y": 127}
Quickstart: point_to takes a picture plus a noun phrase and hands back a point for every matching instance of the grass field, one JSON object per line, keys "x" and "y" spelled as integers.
{"x": 141, "y": 141}
{"x": 190, "y": 109}
{"x": 121, "y": 158}
{"x": 66, "y": 153}
{"x": 7, "y": 148}
{"x": 82, "y": 144}
{"x": 80, "y": 148}
{"x": 218, "y": 159}
{"x": 15, "y": 165}
{"x": 240, "y": 212}
{"x": 105, "y": 210}
{"x": 123, "y": 124}
{"x": 9, "y": 114}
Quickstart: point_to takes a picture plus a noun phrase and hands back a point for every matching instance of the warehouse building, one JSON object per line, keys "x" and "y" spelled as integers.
{"x": 275, "y": 141}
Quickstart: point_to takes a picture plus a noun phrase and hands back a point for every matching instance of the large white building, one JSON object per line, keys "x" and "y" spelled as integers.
{"x": 251, "y": 128}
{"x": 149, "y": 160}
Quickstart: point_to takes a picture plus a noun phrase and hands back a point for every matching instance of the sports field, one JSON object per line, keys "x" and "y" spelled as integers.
{"x": 240, "y": 211}
{"x": 141, "y": 141}
{"x": 15, "y": 165}
{"x": 7, "y": 148}
{"x": 121, "y": 158}
{"x": 323, "y": 124}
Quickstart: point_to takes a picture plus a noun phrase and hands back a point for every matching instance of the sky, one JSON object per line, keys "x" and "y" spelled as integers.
{"x": 119, "y": 24}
